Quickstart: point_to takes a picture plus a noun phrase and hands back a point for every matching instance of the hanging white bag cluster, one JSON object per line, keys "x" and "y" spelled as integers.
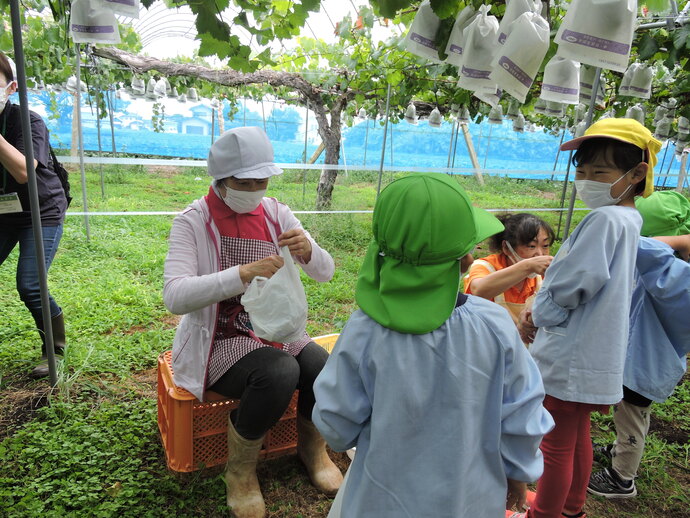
{"x": 561, "y": 81}
{"x": 277, "y": 307}
{"x": 598, "y": 33}
{"x": 93, "y": 22}
{"x": 481, "y": 43}
{"x": 514, "y": 10}
{"x": 637, "y": 81}
{"x": 128, "y": 8}
{"x": 517, "y": 62}
{"x": 587, "y": 76}
{"x": 456, "y": 41}
{"x": 635, "y": 112}
{"x": 421, "y": 38}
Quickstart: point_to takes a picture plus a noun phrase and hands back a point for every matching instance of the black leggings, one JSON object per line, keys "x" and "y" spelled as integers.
{"x": 264, "y": 381}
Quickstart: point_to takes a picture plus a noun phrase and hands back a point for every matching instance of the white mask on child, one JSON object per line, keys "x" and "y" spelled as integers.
{"x": 598, "y": 194}
{"x": 242, "y": 201}
{"x": 516, "y": 258}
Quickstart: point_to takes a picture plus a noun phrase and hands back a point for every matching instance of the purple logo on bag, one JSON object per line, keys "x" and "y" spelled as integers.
{"x": 474, "y": 73}
{"x": 92, "y": 29}
{"x": 455, "y": 49}
{"x": 502, "y": 38}
{"x": 638, "y": 89}
{"x": 515, "y": 71}
{"x": 560, "y": 89}
{"x": 594, "y": 42}
{"x": 418, "y": 38}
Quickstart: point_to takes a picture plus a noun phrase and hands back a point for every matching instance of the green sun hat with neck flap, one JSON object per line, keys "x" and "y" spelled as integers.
{"x": 664, "y": 213}
{"x": 422, "y": 225}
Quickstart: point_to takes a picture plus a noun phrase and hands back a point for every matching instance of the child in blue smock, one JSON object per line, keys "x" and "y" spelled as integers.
{"x": 659, "y": 337}
{"x": 582, "y": 310}
{"x": 434, "y": 388}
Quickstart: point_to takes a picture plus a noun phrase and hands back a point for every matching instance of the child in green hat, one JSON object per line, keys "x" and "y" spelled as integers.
{"x": 434, "y": 388}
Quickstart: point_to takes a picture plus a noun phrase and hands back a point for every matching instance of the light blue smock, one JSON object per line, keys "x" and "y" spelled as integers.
{"x": 659, "y": 322}
{"x": 583, "y": 308}
{"x": 439, "y": 419}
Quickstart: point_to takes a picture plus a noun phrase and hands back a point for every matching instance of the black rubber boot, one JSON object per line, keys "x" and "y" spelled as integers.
{"x": 41, "y": 370}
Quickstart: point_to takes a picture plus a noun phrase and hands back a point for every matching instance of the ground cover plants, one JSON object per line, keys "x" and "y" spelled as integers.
{"x": 90, "y": 447}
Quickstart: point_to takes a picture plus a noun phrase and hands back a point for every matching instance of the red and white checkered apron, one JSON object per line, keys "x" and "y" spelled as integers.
{"x": 234, "y": 337}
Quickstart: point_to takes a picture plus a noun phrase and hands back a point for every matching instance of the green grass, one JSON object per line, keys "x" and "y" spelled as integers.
{"x": 94, "y": 450}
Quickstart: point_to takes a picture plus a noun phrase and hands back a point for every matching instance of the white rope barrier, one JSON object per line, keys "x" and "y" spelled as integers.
{"x": 175, "y": 213}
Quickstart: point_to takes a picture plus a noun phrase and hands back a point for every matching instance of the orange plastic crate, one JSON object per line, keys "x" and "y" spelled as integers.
{"x": 194, "y": 433}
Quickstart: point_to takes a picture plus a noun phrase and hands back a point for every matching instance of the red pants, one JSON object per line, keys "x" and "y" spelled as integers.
{"x": 567, "y": 453}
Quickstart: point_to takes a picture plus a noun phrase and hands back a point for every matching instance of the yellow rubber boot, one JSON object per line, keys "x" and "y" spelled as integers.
{"x": 243, "y": 492}
{"x": 311, "y": 449}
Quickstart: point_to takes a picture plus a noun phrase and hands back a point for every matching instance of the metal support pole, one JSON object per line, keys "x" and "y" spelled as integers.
{"x": 385, "y": 133}
{"x": 682, "y": 173}
{"x": 565, "y": 188}
{"x": 450, "y": 144}
{"x": 98, "y": 131}
{"x": 588, "y": 123}
{"x": 558, "y": 154}
{"x": 33, "y": 192}
{"x": 112, "y": 122}
{"x": 391, "y": 160}
{"x": 455, "y": 145}
{"x": 366, "y": 139}
{"x": 77, "y": 99}
{"x": 488, "y": 143}
{"x": 304, "y": 160}
{"x": 213, "y": 124}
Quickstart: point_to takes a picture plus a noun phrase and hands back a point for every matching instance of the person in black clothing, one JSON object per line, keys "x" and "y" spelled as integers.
{"x": 15, "y": 211}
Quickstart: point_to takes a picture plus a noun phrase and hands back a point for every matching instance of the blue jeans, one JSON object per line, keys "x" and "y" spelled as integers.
{"x": 27, "y": 267}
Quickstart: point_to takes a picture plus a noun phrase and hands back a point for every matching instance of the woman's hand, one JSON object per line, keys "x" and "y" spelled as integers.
{"x": 537, "y": 264}
{"x": 262, "y": 268}
{"x": 297, "y": 243}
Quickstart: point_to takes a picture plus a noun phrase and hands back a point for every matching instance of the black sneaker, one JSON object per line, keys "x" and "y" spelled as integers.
{"x": 609, "y": 484}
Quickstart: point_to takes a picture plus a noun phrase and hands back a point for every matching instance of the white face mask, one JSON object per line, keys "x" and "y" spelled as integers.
{"x": 598, "y": 194}
{"x": 4, "y": 96}
{"x": 242, "y": 201}
{"x": 516, "y": 258}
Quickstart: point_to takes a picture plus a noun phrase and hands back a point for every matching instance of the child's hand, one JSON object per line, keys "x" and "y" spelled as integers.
{"x": 538, "y": 264}
{"x": 517, "y": 495}
{"x": 526, "y": 327}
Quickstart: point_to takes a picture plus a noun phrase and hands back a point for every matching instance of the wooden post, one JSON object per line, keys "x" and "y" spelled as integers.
{"x": 472, "y": 152}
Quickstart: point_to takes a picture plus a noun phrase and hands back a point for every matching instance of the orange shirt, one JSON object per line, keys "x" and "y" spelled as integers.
{"x": 500, "y": 261}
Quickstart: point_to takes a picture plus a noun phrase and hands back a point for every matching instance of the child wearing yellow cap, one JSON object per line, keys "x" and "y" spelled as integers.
{"x": 582, "y": 310}
{"x": 659, "y": 337}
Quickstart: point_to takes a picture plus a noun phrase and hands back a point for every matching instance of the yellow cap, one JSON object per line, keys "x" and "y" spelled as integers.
{"x": 624, "y": 130}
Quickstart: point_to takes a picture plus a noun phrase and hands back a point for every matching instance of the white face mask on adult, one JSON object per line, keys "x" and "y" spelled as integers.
{"x": 242, "y": 201}
{"x": 4, "y": 95}
{"x": 598, "y": 194}
{"x": 517, "y": 258}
